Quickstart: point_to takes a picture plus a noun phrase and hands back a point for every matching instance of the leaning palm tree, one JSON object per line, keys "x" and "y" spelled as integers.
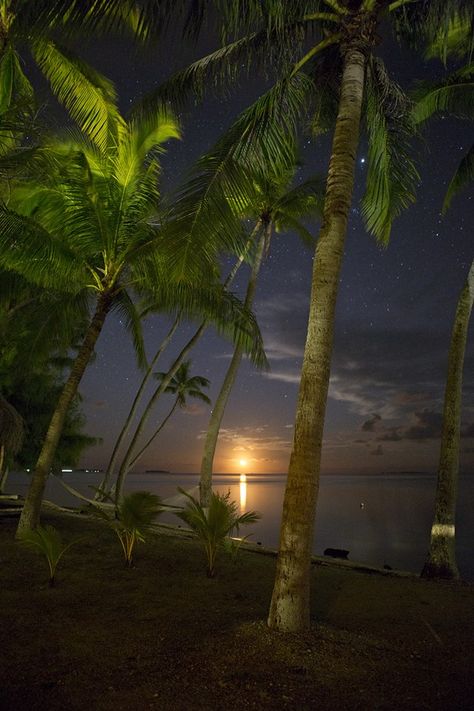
{"x": 92, "y": 233}
{"x": 454, "y": 95}
{"x": 183, "y": 385}
{"x": 273, "y": 205}
{"x": 344, "y": 81}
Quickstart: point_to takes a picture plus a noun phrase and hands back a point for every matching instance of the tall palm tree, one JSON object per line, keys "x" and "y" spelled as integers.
{"x": 183, "y": 385}
{"x": 274, "y": 205}
{"x": 341, "y": 76}
{"x": 455, "y": 95}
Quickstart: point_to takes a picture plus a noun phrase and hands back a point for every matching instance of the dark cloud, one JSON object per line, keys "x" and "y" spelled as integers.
{"x": 468, "y": 430}
{"x": 369, "y": 425}
{"x": 428, "y": 426}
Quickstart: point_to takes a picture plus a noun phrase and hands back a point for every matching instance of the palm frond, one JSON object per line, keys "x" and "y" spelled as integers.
{"x": 211, "y": 303}
{"x": 33, "y": 252}
{"x": 422, "y": 23}
{"x": 454, "y": 95}
{"x": 127, "y": 310}
{"x": 392, "y": 176}
{"x": 89, "y": 98}
{"x": 204, "y": 215}
{"x": 454, "y": 40}
{"x": 214, "y": 71}
{"x": 463, "y": 176}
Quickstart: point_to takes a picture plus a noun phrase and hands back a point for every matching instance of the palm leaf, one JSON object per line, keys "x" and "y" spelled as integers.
{"x": 463, "y": 176}
{"x": 392, "y": 176}
{"x": 454, "y": 95}
{"x": 128, "y": 311}
{"x": 88, "y": 97}
{"x": 30, "y": 250}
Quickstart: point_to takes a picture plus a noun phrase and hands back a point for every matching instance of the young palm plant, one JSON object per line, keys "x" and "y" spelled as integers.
{"x": 132, "y": 519}
{"x": 47, "y": 541}
{"x": 214, "y": 524}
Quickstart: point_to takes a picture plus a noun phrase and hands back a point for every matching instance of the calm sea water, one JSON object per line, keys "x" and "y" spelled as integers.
{"x": 382, "y": 519}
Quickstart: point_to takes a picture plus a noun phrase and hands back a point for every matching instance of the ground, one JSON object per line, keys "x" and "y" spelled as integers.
{"x": 163, "y": 636}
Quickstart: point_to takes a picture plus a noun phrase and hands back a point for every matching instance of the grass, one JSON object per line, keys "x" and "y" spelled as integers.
{"x": 161, "y": 635}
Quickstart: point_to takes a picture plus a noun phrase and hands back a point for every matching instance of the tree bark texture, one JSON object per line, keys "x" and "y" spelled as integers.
{"x": 441, "y": 560}
{"x": 290, "y": 604}
{"x": 30, "y": 515}
{"x": 213, "y": 428}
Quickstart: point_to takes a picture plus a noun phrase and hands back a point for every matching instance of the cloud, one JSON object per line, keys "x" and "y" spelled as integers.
{"x": 427, "y": 426}
{"x": 251, "y": 439}
{"x": 370, "y": 425}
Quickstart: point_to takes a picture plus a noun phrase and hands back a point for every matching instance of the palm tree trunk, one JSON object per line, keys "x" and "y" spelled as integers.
{"x": 124, "y": 431}
{"x": 126, "y": 462}
{"x": 289, "y": 609}
{"x": 30, "y": 515}
{"x": 441, "y": 561}
{"x": 3, "y": 469}
{"x": 154, "y": 435}
{"x": 212, "y": 434}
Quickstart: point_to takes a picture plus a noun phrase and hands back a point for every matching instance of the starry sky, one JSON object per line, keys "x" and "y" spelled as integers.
{"x": 394, "y": 312}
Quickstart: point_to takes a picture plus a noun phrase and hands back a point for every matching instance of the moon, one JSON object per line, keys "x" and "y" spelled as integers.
{"x": 243, "y": 462}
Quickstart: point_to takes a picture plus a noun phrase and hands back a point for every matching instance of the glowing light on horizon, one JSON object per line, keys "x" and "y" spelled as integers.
{"x": 243, "y": 462}
{"x": 243, "y": 492}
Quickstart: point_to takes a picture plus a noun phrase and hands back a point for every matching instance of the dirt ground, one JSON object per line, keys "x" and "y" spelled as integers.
{"x": 163, "y": 636}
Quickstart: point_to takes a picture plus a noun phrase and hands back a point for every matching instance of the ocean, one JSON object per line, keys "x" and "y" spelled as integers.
{"x": 380, "y": 519}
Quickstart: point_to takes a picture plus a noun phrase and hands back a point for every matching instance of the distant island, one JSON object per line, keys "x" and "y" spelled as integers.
{"x": 157, "y": 471}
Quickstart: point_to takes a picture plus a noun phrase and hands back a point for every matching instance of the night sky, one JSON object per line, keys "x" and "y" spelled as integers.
{"x": 394, "y": 313}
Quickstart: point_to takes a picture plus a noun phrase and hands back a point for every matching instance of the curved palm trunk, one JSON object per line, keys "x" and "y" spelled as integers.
{"x": 289, "y": 608}
{"x": 212, "y": 434}
{"x": 441, "y": 561}
{"x": 126, "y": 463}
{"x": 3, "y": 469}
{"x": 125, "y": 429}
{"x": 154, "y": 435}
{"x": 30, "y": 515}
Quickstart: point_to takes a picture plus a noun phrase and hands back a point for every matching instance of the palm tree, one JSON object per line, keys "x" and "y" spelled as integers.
{"x": 183, "y": 385}
{"x": 343, "y": 78}
{"x": 274, "y": 205}
{"x": 90, "y": 234}
{"x": 455, "y": 95}
{"x": 93, "y": 234}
